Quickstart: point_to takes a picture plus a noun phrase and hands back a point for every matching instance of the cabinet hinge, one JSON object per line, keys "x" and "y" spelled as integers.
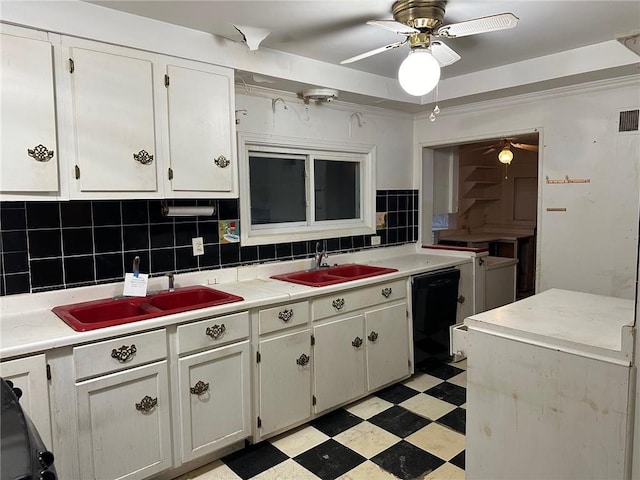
{"x": 170, "y": 173}
{"x": 166, "y": 80}
{"x": 72, "y": 65}
{"x": 259, "y": 422}
{"x": 48, "y": 372}
{"x": 313, "y": 400}
{"x": 406, "y": 313}
{"x": 77, "y": 169}
{"x": 313, "y": 340}
{"x": 258, "y": 357}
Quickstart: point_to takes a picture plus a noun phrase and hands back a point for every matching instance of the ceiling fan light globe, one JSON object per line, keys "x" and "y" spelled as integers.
{"x": 505, "y": 156}
{"x": 419, "y": 73}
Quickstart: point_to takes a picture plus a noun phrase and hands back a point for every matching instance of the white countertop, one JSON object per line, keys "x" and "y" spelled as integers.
{"x": 579, "y": 323}
{"x": 27, "y": 324}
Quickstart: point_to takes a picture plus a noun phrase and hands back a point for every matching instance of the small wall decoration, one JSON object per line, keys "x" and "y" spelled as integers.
{"x": 229, "y": 231}
{"x": 381, "y": 220}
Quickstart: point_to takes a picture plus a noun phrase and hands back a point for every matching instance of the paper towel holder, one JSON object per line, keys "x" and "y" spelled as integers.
{"x": 188, "y": 210}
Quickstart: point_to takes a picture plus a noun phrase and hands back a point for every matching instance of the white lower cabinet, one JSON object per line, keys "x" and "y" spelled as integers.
{"x": 214, "y": 399}
{"x": 124, "y": 424}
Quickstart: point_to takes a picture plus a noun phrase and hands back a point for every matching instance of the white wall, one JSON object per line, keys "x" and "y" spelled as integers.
{"x": 389, "y": 131}
{"x": 593, "y": 246}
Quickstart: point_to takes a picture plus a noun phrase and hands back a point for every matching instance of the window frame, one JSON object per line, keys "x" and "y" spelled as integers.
{"x": 261, "y": 234}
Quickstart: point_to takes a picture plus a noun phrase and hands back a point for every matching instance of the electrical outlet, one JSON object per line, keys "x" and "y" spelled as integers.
{"x": 198, "y": 246}
{"x": 375, "y": 240}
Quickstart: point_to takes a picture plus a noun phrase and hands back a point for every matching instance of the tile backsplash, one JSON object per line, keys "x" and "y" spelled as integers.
{"x": 56, "y": 245}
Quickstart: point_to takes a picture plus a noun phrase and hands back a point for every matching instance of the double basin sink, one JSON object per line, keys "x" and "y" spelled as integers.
{"x": 108, "y": 312}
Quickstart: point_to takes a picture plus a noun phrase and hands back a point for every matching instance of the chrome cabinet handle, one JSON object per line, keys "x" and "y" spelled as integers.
{"x": 357, "y": 342}
{"x": 124, "y": 353}
{"x": 373, "y": 336}
{"x": 199, "y": 388}
{"x": 303, "y": 360}
{"x": 461, "y": 299}
{"x": 143, "y": 157}
{"x": 386, "y": 292}
{"x": 222, "y": 161}
{"x": 285, "y": 315}
{"x": 146, "y": 404}
{"x": 216, "y": 331}
{"x": 40, "y": 153}
{"x": 338, "y": 303}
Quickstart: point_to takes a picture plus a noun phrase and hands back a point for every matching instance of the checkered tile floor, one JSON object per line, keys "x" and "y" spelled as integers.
{"x": 414, "y": 429}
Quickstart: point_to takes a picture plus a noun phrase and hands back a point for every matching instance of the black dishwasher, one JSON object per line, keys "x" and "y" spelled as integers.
{"x": 435, "y": 297}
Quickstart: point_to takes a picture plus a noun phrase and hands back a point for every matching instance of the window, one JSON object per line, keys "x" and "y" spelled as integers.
{"x": 295, "y": 190}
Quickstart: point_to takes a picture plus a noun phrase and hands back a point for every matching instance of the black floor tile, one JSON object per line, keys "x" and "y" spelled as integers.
{"x": 438, "y": 369}
{"x": 399, "y": 421}
{"x": 456, "y": 419}
{"x": 254, "y": 459}
{"x": 407, "y": 461}
{"x": 449, "y": 393}
{"x": 329, "y": 460}
{"x": 397, "y": 393}
{"x": 336, "y": 422}
{"x": 458, "y": 460}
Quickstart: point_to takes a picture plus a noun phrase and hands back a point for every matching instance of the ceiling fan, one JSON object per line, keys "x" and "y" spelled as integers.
{"x": 420, "y": 21}
{"x": 505, "y": 155}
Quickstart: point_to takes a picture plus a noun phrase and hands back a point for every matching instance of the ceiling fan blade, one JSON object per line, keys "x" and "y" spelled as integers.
{"x": 443, "y": 54}
{"x": 492, "y": 23}
{"x": 393, "y": 26}
{"x": 525, "y": 146}
{"x": 375, "y": 51}
{"x": 489, "y": 150}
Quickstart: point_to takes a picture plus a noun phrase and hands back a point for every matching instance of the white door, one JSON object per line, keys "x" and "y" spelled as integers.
{"x": 215, "y": 399}
{"x": 387, "y": 338}
{"x": 338, "y": 361}
{"x": 28, "y": 136}
{"x": 29, "y": 374}
{"x": 285, "y": 380}
{"x": 114, "y": 121}
{"x": 124, "y": 424}
{"x": 201, "y": 129}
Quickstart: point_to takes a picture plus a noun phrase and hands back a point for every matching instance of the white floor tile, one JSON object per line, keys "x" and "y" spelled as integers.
{"x": 367, "y": 439}
{"x": 438, "y": 440}
{"x": 427, "y": 406}
{"x": 287, "y": 470}
{"x": 422, "y": 382}
{"x": 447, "y": 471}
{"x": 367, "y": 471}
{"x": 211, "y": 471}
{"x": 369, "y": 407}
{"x": 299, "y": 440}
{"x": 460, "y": 380}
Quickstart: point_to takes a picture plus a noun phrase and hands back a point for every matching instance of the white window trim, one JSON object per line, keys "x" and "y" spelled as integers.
{"x": 263, "y": 234}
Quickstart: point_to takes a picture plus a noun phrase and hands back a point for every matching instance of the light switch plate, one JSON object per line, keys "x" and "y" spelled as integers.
{"x": 198, "y": 246}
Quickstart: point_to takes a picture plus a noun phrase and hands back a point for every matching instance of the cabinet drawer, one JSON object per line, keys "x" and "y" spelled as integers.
{"x": 119, "y": 353}
{"x": 350, "y": 300}
{"x": 284, "y": 316}
{"x": 212, "y": 332}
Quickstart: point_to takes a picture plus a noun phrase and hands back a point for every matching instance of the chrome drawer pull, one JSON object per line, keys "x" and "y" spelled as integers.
{"x": 216, "y": 331}
{"x": 357, "y": 342}
{"x": 146, "y": 404}
{"x": 40, "y": 153}
{"x": 222, "y": 161}
{"x": 373, "y": 336}
{"x": 199, "y": 388}
{"x": 285, "y": 315}
{"x": 143, "y": 157}
{"x": 338, "y": 303}
{"x": 386, "y": 292}
{"x": 124, "y": 353}
{"x": 303, "y": 360}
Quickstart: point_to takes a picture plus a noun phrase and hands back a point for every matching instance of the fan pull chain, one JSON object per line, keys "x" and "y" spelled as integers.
{"x": 436, "y": 109}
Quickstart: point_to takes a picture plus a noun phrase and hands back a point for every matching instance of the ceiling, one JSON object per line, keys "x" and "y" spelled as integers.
{"x": 331, "y": 31}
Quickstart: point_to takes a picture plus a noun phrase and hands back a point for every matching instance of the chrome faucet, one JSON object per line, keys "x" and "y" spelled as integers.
{"x": 320, "y": 254}
{"x": 171, "y": 278}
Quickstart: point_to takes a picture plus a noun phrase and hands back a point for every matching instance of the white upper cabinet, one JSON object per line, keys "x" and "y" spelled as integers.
{"x": 28, "y": 147}
{"x": 200, "y": 119}
{"x": 113, "y": 120}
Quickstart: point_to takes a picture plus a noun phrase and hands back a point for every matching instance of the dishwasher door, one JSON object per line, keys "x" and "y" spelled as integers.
{"x": 435, "y": 297}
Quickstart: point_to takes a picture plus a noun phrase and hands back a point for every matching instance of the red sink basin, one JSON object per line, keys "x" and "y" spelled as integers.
{"x": 333, "y": 275}
{"x": 109, "y": 312}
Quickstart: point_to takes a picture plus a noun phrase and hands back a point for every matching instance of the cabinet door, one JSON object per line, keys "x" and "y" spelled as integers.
{"x": 29, "y": 374}
{"x": 201, "y": 128}
{"x": 338, "y": 362}
{"x": 124, "y": 424}
{"x": 465, "y": 292}
{"x": 113, "y": 120}
{"x": 215, "y": 399}
{"x": 387, "y": 331}
{"x": 28, "y": 137}
{"x": 285, "y": 380}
